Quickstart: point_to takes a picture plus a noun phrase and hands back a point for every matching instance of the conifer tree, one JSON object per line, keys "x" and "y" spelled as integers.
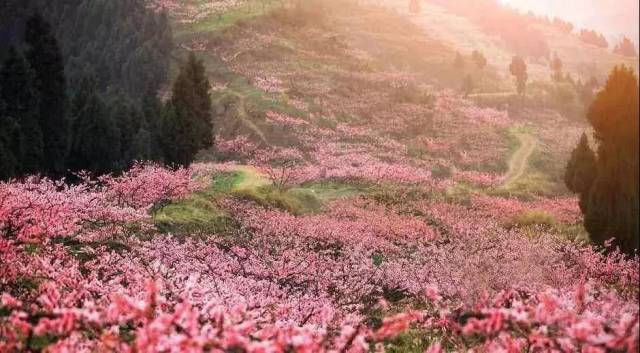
{"x": 7, "y": 158}
{"x": 95, "y": 144}
{"x": 611, "y": 204}
{"x": 45, "y": 59}
{"x": 581, "y": 170}
{"x": 22, "y": 107}
{"x": 518, "y": 69}
{"x": 178, "y": 132}
{"x": 187, "y": 126}
{"x": 556, "y": 67}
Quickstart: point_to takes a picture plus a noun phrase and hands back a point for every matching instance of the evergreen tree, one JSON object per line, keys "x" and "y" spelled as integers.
{"x": 581, "y": 170}
{"x": 96, "y": 139}
{"x": 16, "y": 89}
{"x": 7, "y": 158}
{"x": 177, "y": 140}
{"x": 518, "y": 69}
{"x": 187, "y": 125}
{"x": 611, "y": 204}
{"x": 626, "y": 48}
{"x": 141, "y": 148}
{"x": 45, "y": 59}
{"x": 556, "y": 67}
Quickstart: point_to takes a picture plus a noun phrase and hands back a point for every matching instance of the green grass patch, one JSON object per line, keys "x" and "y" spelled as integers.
{"x": 527, "y": 187}
{"x": 218, "y": 21}
{"x": 294, "y": 201}
{"x": 460, "y": 193}
{"x": 199, "y": 213}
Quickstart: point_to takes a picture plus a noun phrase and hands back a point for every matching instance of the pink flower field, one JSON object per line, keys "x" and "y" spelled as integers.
{"x": 352, "y": 200}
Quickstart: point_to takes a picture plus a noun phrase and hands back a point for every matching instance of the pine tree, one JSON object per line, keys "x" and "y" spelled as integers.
{"x": 95, "y": 143}
{"x": 518, "y": 69}
{"x": 7, "y": 158}
{"x": 177, "y": 140}
{"x": 45, "y": 59}
{"x": 22, "y": 107}
{"x": 187, "y": 125}
{"x": 611, "y": 204}
{"x": 141, "y": 148}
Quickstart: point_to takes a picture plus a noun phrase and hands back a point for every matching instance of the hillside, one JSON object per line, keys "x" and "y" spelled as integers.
{"x": 357, "y": 198}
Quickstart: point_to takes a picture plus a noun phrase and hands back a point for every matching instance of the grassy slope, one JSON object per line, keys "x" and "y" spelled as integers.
{"x": 383, "y": 41}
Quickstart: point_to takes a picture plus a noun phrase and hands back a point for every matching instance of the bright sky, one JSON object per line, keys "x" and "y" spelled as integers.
{"x": 611, "y": 17}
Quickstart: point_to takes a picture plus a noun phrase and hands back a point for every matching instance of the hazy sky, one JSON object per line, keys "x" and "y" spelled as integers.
{"x": 611, "y": 17}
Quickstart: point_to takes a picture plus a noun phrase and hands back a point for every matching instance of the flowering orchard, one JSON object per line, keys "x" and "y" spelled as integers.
{"x": 393, "y": 258}
{"x": 83, "y": 269}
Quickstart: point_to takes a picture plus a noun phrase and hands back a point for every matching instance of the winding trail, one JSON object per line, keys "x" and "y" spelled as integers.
{"x": 519, "y": 160}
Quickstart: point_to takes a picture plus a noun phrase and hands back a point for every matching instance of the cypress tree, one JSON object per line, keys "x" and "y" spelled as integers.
{"x": 581, "y": 170}
{"x": 26, "y": 142}
{"x": 611, "y": 204}
{"x": 178, "y": 130}
{"x": 45, "y": 59}
{"x": 191, "y": 97}
{"x": 187, "y": 124}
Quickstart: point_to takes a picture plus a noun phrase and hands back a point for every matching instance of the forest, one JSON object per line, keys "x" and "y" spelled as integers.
{"x": 236, "y": 176}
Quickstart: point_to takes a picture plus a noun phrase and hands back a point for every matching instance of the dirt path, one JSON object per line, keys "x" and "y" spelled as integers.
{"x": 519, "y": 161}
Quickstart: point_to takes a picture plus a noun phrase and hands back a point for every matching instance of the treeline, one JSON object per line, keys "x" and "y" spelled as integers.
{"x": 125, "y": 46}
{"x": 81, "y": 94}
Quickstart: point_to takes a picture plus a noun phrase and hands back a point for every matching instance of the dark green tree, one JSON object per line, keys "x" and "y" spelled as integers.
{"x": 45, "y": 58}
{"x": 187, "y": 126}
{"x": 8, "y": 164}
{"x": 142, "y": 146}
{"x": 611, "y": 204}
{"x": 581, "y": 170}
{"x": 518, "y": 69}
{"x": 178, "y": 136}
{"x": 22, "y": 107}
{"x": 95, "y": 144}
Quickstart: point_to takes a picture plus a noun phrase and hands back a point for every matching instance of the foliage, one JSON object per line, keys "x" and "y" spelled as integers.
{"x": 626, "y": 48}
{"x": 594, "y": 38}
{"x": 611, "y": 203}
{"x": 45, "y": 58}
{"x": 93, "y": 70}
{"x": 518, "y": 69}
{"x": 581, "y": 170}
